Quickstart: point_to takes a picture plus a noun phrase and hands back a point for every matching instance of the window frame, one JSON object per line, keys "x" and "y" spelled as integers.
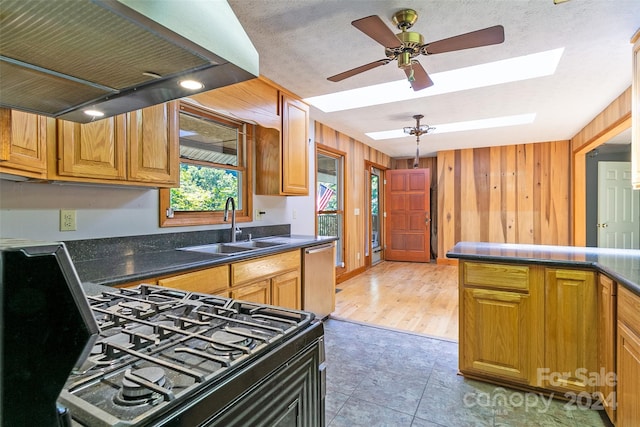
{"x": 195, "y": 218}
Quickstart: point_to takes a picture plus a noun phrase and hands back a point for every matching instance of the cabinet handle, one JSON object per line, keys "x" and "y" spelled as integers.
{"x": 315, "y": 249}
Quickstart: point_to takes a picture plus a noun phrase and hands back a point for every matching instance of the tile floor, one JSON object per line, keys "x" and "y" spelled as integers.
{"x": 381, "y": 377}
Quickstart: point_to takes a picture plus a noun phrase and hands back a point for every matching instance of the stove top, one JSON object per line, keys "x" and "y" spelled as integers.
{"x": 158, "y": 347}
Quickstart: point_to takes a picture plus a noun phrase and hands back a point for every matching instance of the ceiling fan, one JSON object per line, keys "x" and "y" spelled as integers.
{"x": 406, "y": 45}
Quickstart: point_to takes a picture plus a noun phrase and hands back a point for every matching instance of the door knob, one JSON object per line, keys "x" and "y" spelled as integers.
{"x": 605, "y": 225}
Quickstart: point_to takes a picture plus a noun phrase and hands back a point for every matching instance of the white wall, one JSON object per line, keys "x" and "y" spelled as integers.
{"x": 32, "y": 210}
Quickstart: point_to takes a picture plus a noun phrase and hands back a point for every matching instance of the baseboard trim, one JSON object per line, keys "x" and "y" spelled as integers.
{"x": 349, "y": 274}
{"x": 447, "y": 261}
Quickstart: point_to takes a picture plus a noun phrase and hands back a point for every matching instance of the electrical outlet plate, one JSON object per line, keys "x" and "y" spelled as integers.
{"x": 67, "y": 220}
{"x": 257, "y": 215}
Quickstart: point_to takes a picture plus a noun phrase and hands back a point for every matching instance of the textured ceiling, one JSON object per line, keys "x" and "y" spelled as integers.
{"x": 302, "y": 42}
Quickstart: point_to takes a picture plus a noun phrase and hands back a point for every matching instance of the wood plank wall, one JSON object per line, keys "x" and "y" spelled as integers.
{"x": 355, "y": 197}
{"x": 508, "y": 194}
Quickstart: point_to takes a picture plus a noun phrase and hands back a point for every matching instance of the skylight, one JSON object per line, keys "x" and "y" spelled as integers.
{"x": 489, "y": 74}
{"x": 519, "y": 119}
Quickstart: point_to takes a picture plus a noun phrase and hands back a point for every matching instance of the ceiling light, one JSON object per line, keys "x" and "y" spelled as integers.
{"x": 489, "y": 74}
{"x": 94, "y": 113}
{"x": 191, "y": 84}
{"x": 417, "y": 130}
{"x": 495, "y": 122}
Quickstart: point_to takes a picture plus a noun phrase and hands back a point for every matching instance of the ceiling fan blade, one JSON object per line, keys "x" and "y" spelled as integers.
{"x": 358, "y": 70}
{"x": 485, "y": 37}
{"x": 417, "y": 76}
{"x": 375, "y": 28}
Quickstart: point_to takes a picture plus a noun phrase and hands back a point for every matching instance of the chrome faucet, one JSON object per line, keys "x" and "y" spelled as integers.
{"x": 234, "y": 229}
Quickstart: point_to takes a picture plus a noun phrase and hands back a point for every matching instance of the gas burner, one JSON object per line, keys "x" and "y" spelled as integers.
{"x": 134, "y": 392}
{"x": 233, "y": 337}
{"x": 129, "y": 308}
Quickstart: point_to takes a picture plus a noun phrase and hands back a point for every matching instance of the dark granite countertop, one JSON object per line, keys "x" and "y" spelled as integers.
{"x": 133, "y": 266}
{"x": 622, "y": 265}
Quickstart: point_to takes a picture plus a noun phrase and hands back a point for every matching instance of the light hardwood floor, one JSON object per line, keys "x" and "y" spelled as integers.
{"x": 415, "y": 297}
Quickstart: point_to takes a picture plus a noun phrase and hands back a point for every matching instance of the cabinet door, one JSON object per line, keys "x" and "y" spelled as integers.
{"x": 607, "y": 343}
{"x": 570, "y": 325}
{"x": 295, "y": 146}
{"x": 210, "y": 281}
{"x": 153, "y": 145}
{"x": 92, "y": 150}
{"x": 628, "y": 409}
{"x": 23, "y": 141}
{"x": 286, "y": 290}
{"x": 635, "y": 113}
{"x": 628, "y": 359}
{"x": 258, "y": 292}
{"x": 498, "y": 337}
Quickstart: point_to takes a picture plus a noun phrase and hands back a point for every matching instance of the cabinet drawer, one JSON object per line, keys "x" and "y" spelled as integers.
{"x": 246, "y": 271}
{"x": 209, "y": 281}
{"x": 499, "y": 276}
{"x": 629, "y": 309}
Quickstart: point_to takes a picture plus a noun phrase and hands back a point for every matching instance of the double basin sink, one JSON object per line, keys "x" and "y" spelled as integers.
{"x": 232, "y": 248}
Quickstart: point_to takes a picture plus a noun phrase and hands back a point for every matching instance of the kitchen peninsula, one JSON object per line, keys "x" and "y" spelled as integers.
{"x": 553, "y": 319}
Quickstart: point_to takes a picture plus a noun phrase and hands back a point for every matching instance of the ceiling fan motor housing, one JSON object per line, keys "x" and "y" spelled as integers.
{"x": 410, "y": 48}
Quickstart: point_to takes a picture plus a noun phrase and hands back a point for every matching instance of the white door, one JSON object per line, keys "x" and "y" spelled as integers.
{"x": 618, "y": 207}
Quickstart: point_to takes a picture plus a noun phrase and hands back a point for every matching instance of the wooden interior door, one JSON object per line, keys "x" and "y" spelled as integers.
{"x": 408, "y": 216}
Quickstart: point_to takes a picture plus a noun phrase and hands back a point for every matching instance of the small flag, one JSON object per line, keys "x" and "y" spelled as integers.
{"x": 324, "y": 195}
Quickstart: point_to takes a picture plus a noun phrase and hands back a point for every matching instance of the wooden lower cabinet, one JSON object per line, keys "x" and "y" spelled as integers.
{"x": 529, "y": 325}
{"x": 628, "y": 359}
{"x": 285, "y": 290}
{"x": 273, "y": 279}
{"x": 500, "y": 335}
{"x": 258, "y": 292}
{"x": 570, "y": 325}
{"x": 607, "y": 289}
{"x": 209, "y": 281}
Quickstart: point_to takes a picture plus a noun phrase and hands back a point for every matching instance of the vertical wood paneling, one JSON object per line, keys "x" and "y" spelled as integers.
{"x": 446, "y": 201}
{"x": 355, "y": 189}
{"x": 524, "y": 187}
{"x": 507, "y": 194}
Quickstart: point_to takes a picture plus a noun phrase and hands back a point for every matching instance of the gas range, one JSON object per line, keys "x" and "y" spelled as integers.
{"x": 164, "y": 356}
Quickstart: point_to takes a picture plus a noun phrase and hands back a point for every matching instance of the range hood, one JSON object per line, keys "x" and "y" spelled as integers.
{"x": 60, "y": 58}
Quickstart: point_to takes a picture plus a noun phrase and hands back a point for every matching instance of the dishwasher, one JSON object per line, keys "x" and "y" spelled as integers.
{"x": 319, "y": 278}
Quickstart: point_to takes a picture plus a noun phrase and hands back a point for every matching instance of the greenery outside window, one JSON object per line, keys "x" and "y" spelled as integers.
{"x": 214, "y": 165}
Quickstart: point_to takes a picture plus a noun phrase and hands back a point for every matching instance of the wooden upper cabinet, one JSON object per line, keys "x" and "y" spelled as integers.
{"x": 635, "y": 112}
{"x": 153, "y": 145}
{"x": 139, "y": 148}
{"x": 23, "y": 144}
{"x": 92, "y": 150}
{"x": 295, "y": 146}
{"x": 282, "y": 158}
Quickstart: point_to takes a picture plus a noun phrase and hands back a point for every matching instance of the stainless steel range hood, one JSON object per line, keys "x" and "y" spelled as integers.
{"x": 61, "y": 57}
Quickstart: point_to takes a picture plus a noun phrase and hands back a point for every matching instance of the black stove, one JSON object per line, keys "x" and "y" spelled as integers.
{"x": 172, "y": 357}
